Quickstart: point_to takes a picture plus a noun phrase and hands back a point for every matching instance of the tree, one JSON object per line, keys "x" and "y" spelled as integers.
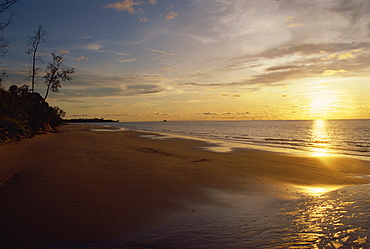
{"x": 34, "y": 41}
{"x": 55, "y": 73}
{"x": 3, "y": 75}
{"x": 4, "y": 6}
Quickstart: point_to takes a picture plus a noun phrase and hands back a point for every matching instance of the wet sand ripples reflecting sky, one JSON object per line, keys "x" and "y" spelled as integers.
{"x": 337, "y": 219}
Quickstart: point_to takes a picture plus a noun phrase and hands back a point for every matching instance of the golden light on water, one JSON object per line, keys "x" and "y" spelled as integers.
{"x": 320, "y": 138}
{"x": 318, "y": 190}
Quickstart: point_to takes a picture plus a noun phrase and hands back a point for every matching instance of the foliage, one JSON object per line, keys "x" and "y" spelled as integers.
{"x": 56, "y": 72}
{"x": 23, "y": 115}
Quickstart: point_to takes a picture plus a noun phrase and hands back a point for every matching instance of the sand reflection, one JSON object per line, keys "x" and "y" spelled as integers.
{"x": 317, "y": 190}
{"x": 326, "y": 217}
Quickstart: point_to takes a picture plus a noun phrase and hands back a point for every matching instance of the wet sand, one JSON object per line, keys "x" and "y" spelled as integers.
{"x": 80, "y": 185}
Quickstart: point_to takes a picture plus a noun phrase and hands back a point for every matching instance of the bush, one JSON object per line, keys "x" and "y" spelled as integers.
{"x": 23, "y": 115}
{"x": 13, "y": 129}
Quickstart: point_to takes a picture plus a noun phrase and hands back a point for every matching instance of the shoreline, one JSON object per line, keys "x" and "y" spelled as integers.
{"x": 226, "y": 145}
{"x": 80, "y": 185}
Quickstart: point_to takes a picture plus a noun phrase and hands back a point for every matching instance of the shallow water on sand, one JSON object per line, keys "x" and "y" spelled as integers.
{"x": 313, "y": 137}
{"x": 337, "y": 219}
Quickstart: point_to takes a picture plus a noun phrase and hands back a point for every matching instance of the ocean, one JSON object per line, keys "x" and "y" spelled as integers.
{"x": 313, "y": 137}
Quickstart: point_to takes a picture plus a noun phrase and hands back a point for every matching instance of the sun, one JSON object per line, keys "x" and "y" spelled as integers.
{"x": 322, "y": 104}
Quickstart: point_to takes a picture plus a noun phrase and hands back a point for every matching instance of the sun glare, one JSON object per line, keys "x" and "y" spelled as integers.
{"x": 320, "y": 102}
{"x": 318, "y": 190}
{"x": 322, "y": 105}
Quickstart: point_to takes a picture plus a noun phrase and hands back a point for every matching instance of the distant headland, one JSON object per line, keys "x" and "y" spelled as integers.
{"x": 88, "y": 120}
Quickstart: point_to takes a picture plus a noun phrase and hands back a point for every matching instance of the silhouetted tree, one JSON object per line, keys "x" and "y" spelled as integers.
{"x": 2, "y": 76}
{"x": 55, "y": 73}
{"x": 34, "y": 41}
{"x": 4, "y": 22}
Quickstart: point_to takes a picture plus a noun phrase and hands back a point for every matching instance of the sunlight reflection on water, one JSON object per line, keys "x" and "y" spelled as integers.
{"x": 320, "y": 138}
{"x": 337, "y": 219}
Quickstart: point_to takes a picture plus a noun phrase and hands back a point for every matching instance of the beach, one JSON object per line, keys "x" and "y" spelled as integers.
{"x": 81, "y": 185}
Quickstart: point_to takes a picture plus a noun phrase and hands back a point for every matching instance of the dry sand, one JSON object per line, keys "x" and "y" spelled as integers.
{"x": 80, "y": 185}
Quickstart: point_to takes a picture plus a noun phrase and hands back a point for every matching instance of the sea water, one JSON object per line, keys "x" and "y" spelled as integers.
{"x": 316, "y": 137}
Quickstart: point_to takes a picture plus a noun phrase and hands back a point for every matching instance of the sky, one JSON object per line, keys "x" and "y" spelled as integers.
{"x": 150, "y": 60}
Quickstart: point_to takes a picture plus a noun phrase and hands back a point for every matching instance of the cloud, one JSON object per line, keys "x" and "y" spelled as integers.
{"x": 93, "y": 46}
{"x": 105, "y": 86}
{"x": 81, "y": 58}
{"x": 332, "y": 72}
{"x": 127, "y": 5}
{"x": 355, "y": 11}
{"x": 141, "y": 89}
{"x": 293, "y": 22}
{"x": 343, "y": 55}
{"x": 96, "y": 47}
{"x": 123, "y": 60}
{"x": 64, "y": 52}
{"x": 159, "y": 51}
{"x": 281, "y": 68}
{"x": 289, "y": 60}
{"x": 84, "y": 37}
{"x": 153, "y": 2}
{"x": 166, "y": 69}
{"x": 171, "y": 15}
{"x": 347, "y": 55}
{"x": 143, "y": 19}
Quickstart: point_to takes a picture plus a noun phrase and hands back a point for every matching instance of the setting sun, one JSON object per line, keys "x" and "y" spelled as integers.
{"x": 323, "y": 104}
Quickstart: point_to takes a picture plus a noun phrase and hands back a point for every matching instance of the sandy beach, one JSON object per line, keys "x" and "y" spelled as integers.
{"x": 79, "y": 185}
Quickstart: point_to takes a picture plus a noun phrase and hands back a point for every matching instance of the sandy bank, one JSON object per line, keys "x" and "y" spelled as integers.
{"x": 81, "y": 185}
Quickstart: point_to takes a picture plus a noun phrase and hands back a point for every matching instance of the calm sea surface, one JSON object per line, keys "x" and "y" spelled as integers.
{"x": 317, "y": 137}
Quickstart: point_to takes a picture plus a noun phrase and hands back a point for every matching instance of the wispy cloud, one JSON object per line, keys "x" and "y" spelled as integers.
{"x": 97, "y": 47}
{"x": 342, "y": 55}
{"x": 293, "y": 22}
{"x": 84, "y": 37}
{"x": 103, "y": 86}
{"x": 124, "y": 60}
{"x": 64, "y": 51}
{"x": 171, "y": 15}
{"x": 332, "y": 72}
{"x": 161, "y": 52}
{"x": 126, "y": 5}
{"x": 81, "y": 58}
{"x": 143, "y": 19}
{"x": 93, "y": 46}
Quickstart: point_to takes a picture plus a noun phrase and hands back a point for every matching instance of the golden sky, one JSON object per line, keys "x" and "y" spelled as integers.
{"x": 139, "y": 60}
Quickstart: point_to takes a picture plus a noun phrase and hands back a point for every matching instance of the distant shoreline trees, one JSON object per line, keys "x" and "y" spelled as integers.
{"x": 89, "y": 120}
